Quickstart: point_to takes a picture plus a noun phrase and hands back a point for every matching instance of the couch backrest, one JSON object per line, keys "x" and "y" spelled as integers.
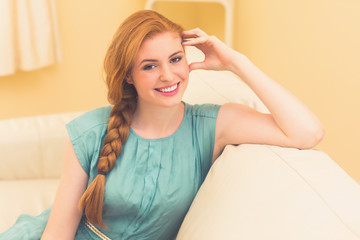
{"x": 33, "y": 147}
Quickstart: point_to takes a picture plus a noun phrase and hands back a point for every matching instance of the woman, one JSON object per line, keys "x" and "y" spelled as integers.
{"x": 146, "y": 156}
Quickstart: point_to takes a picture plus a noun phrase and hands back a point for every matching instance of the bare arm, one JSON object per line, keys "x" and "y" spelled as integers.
{"x": 290, "y": 123}
{"x": 65, "y": 215}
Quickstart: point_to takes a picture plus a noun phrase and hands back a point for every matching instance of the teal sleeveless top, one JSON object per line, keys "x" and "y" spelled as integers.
{"x": 154, "y": 181}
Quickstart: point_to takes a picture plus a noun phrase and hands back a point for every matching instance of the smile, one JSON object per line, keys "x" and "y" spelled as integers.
{"x": 168, "y": 89}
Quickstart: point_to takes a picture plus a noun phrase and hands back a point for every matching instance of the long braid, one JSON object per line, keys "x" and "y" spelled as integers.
{"x": 117, "y": 133}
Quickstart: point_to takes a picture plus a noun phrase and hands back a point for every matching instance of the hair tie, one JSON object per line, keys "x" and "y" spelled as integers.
{"x": 102, "y": 173}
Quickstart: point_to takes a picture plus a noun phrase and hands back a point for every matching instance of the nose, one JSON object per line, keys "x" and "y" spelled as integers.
{"x": 166, "y": 73}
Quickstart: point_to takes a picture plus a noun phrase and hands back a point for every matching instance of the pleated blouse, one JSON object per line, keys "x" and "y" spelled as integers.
{"x": 154, "y": 181}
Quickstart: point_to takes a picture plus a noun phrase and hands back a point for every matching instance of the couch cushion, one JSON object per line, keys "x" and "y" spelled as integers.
{"x": 24, "y": 197}
{"x": 32, "y": 147}
{"x": 265, "y": 192}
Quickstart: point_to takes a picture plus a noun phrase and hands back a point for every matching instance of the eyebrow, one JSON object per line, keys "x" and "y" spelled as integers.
{"x": 154, "y": 60}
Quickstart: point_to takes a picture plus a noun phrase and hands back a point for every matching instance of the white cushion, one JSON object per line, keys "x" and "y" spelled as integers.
{"x": 24, "y": 197}
{"x": 255, "y": 192}
{"x": 33, "y": 147}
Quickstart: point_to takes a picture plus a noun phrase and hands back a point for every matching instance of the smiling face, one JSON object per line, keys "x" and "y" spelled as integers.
{"x": 160, "y": 70}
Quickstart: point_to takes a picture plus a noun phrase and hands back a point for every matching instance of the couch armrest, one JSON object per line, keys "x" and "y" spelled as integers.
{"x": 266, "y": 192}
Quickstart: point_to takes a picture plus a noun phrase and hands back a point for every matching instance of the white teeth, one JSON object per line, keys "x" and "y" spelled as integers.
{"x": 169, "y": 89}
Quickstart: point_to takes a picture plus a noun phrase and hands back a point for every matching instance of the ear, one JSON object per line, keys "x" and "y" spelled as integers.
{"x": 129, "y": 79}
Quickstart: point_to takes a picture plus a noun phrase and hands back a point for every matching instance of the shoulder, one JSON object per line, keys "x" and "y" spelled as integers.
{"x": 94, "y": 119}
{"x": 202, "y": 110}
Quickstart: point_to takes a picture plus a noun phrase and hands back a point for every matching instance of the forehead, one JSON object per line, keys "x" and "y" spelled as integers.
{"x": 160, "y": 45}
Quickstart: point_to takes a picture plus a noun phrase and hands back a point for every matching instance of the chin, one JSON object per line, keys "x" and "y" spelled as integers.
{"x": 171, "y": 103}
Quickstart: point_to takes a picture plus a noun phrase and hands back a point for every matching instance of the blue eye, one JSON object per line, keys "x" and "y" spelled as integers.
{"x": 176, "y": 59}
{"x": 149, "y": 67}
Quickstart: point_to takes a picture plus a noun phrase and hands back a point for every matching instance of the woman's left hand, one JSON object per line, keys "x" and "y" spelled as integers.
{"x": 218, "y": 56}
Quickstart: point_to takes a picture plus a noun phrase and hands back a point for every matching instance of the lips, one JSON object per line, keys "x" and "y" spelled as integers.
{"x": 168, "y": 89}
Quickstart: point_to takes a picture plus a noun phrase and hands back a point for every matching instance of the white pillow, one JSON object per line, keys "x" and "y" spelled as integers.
{"x": 257, "y": 192}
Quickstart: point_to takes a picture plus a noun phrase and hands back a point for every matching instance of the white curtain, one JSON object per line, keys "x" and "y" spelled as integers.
{"x": 29, "y": 37}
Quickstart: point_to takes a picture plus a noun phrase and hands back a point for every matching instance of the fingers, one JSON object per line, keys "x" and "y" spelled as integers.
{"x": 197, "y": 37}
{"x": 197, "y": 65}
{"x": 194, "y": 33}
{"x": 194, "y": 41}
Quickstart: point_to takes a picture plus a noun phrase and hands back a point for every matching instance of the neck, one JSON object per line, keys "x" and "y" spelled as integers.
{"x": 156, "y": 121}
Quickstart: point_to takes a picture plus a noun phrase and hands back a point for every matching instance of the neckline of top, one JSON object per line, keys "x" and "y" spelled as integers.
{"x": 131, "y": 131}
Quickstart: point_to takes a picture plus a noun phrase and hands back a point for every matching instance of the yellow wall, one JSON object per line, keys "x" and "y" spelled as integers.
{"x": 311, "y": 47}
{"x": 86, "y": 28}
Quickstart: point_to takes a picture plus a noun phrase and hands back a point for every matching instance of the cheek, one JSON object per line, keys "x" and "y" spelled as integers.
{"x": 184, "y": 70}
{"x": 144, "y": 78}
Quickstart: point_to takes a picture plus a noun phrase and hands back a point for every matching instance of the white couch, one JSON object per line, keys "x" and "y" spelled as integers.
{"x": 252, "y": 192}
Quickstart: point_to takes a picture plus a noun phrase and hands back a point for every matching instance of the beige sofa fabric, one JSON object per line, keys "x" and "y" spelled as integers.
{"x": 255, "y": 192}
{"x": 32, "y": 147}
{"x": 31, "y": 151}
